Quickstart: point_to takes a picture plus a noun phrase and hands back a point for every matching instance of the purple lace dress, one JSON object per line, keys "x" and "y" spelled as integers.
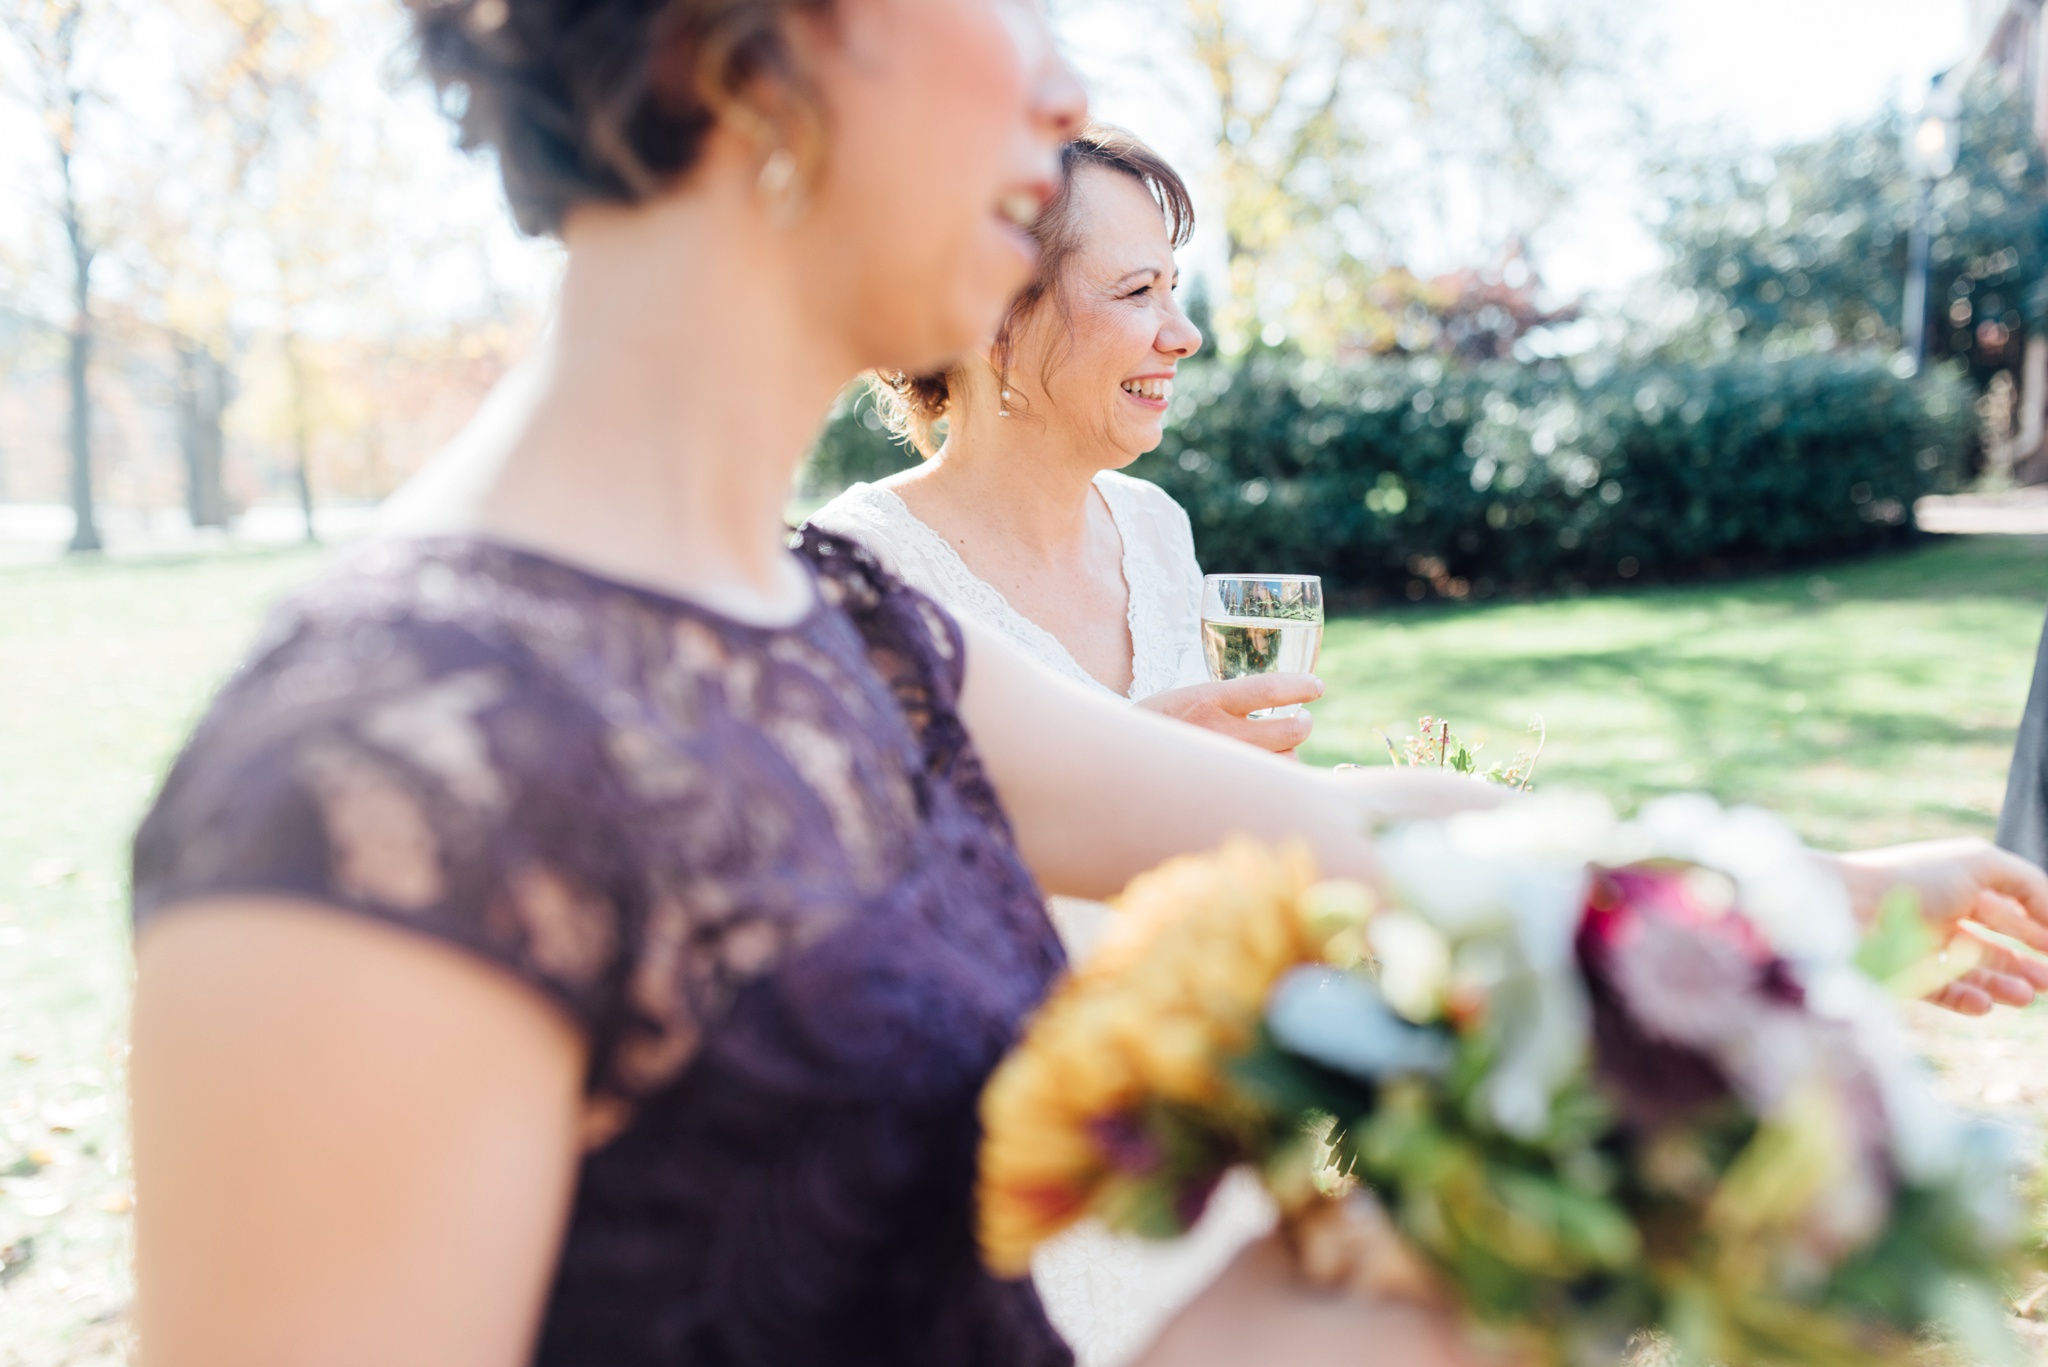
{"x": 762, "y": 869}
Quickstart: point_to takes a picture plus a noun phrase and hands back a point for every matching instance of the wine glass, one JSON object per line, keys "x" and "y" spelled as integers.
{"x": 1262, "y": 624}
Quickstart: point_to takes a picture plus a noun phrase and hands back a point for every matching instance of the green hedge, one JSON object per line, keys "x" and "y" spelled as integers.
{"x": 853, "y": 447}
{"x": 1413, "y": 479}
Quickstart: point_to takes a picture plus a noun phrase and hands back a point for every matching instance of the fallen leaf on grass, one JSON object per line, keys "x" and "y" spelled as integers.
{"x": 63, "y": 1117}
{"x": 29, "y": 1164}
{"x": 50, "y": 872}
{"x": 36, "y": 1198}
{"x": 41, "y": 1205}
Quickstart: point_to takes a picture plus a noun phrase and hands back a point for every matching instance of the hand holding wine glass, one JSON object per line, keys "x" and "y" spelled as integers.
{"x": 1262, "y": 710}
{"x": 1262, "y": 624}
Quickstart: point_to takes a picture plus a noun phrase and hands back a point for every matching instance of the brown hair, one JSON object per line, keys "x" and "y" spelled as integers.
{"x": 912, "y": 405}
{"x": 604, "y": 100}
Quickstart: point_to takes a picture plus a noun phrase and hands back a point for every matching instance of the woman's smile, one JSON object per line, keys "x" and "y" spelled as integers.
{"x": 1149, "y": 391}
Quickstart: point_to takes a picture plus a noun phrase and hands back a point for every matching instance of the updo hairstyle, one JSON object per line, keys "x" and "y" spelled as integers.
{"x": 606, "y": 100}
{"x": 912, "y": 405}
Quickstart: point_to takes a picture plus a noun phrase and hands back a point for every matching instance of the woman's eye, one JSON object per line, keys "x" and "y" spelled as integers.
{"x": 1139, "y": 292}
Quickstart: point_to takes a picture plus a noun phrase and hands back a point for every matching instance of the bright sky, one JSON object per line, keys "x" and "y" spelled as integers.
{"x": 1775, "y": 69}
{"x": 1795, "y": 68}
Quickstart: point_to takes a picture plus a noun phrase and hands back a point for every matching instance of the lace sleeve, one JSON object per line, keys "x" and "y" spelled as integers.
{"x": 1179, "y": 539}
{"x": 417, "y": 774}
{"x": 1165, "y": 582}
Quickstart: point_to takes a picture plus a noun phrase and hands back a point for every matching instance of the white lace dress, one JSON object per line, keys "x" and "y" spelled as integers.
{"x": 1107, "y": 1293}
{"x": 1160, "y": 572}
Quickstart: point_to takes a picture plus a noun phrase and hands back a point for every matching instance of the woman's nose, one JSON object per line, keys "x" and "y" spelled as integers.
{"x": 1180, "y": 337}
{"x": 1060, "y": 103}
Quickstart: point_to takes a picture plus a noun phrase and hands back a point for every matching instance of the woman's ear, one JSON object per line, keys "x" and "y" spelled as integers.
{"x": 1010, "y": 355}
{"x": 773, "y": 109}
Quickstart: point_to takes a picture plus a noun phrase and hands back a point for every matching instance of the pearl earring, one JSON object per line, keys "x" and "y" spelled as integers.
{"x": 777, "y": 187}
{"x": 1004, "y": 411}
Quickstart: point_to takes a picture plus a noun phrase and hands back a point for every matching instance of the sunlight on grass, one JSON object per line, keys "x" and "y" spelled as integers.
{"x": 1869, "y": 702}
{"x": 102, "y": 670}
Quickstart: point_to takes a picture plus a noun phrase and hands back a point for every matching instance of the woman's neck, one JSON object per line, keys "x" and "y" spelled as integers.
{"x": 656, "y": 434}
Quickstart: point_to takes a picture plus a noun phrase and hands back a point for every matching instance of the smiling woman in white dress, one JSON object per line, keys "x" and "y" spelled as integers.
{"x": 1021, "y": 519}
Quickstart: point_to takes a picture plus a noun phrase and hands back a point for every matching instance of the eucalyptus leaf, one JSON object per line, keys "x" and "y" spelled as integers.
{"x": 1341, "y": 1021}
{"x": 1899, "y": 939}
{"x": 1975, "y": 1317}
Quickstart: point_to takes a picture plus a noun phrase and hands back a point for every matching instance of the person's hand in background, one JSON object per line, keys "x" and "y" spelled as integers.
{"x": 1964, "y": 885}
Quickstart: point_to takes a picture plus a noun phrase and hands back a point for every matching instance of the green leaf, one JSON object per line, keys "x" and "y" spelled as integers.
{"x": 1899, "y": 938}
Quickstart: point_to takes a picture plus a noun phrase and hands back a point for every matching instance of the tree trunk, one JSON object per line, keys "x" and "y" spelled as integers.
{"x": 302, "y": 429}
{"x": 203, "y": 384}
{"x": 2027, "y": 446}
{"x": 85, "y": 534}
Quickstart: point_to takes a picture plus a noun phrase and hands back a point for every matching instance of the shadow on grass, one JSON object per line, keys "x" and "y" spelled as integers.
{"x": 2011, "y": 568}
{"x": 1876, "y": 691}
{"x": 1731, "y": 720}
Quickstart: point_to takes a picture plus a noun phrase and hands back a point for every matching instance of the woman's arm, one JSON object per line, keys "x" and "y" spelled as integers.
{"x": 1099, "y": 791}
{"x": 352, "y": 1144}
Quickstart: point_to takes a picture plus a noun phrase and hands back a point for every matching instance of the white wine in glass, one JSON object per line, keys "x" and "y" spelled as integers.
{"x": 1262, "y": 624}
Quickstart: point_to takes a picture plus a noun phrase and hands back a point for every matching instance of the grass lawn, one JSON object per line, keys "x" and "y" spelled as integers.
{"x": 102, "y": 670}
{"x": 1870, "y": 702}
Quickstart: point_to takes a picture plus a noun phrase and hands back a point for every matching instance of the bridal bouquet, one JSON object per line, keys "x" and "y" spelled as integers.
{"x": 1603, "y": 1078}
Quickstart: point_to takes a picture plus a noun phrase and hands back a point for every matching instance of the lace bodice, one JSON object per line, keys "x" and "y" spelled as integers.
{"x": 1160, "y": 572}
{"x": 1108, "y": 1293}
{"x": 760, "y": 867}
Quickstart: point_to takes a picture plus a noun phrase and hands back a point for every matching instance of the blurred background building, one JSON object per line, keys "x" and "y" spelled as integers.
{"x": 2009, "y": 37}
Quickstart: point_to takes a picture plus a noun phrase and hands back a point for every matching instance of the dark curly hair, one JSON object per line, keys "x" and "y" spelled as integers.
{"x": 602, "y": 100}
{"x": 912, "y": 405}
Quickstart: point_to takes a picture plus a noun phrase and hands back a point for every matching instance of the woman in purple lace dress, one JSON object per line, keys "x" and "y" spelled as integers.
{"x": 581, "y": 931}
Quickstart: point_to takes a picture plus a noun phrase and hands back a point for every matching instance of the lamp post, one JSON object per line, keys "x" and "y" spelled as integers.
{"x": 1930, "y": 156}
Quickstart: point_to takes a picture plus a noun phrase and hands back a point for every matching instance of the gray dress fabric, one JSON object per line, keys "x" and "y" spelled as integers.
{"x": 2023, "y": 822}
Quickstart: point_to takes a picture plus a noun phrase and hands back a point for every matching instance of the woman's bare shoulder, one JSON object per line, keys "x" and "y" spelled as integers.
{"x": 855, "y": 500}
{"x": 880, "y": 520}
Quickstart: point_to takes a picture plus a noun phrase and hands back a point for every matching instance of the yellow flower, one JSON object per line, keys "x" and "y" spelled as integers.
{"x": 1798, "y": 1174}
{"x": 1175, "y": 991}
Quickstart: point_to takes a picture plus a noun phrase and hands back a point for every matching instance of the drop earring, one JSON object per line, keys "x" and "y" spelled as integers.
{"x": 1004, "y": 410}
{"x": 776, "y": 186}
